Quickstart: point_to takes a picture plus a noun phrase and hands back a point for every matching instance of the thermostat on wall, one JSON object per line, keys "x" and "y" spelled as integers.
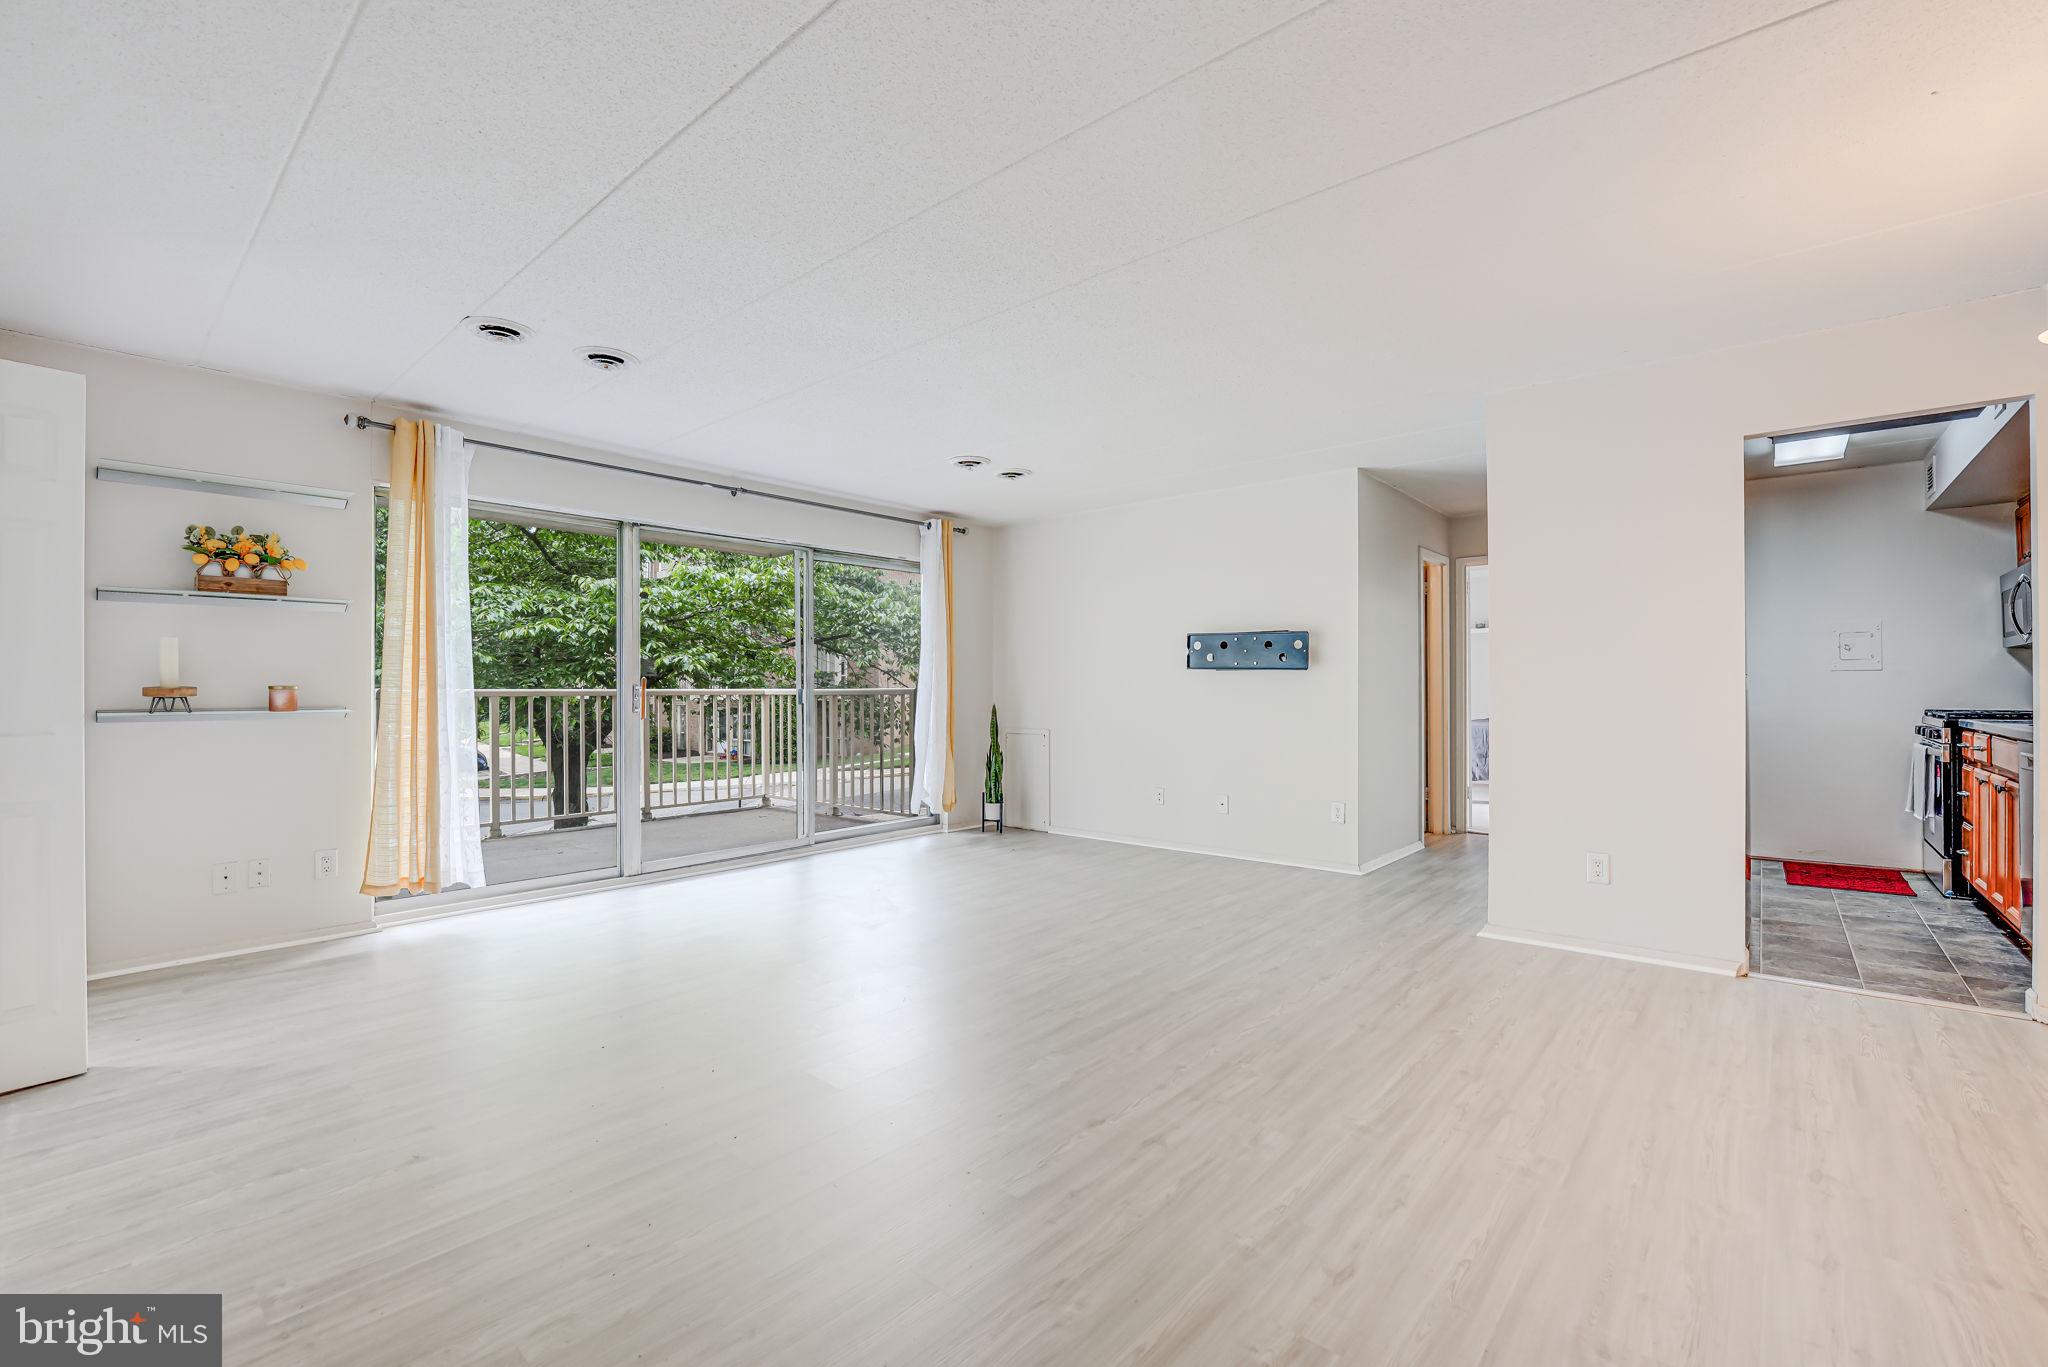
{"x": 1267, "y": 649}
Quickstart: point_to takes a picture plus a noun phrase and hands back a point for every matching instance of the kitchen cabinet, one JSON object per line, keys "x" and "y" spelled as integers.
{"x": 1991, "y": 831}
{"x": 2023, "y": 528}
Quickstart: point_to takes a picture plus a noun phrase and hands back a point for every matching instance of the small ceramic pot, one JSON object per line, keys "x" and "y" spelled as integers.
{"x": 284, "y": 697}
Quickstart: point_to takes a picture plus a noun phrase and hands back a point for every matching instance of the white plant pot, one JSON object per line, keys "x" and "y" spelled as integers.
{"x": 992, "y": 811}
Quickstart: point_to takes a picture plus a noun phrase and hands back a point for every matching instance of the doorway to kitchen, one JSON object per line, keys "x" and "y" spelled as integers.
{"x": 1890, "y": 723}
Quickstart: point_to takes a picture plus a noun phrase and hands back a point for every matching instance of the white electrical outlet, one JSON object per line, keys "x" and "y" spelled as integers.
{"x": 1159, "y": 797}
{"x": 1336, "y": 813}
{"x": 259, "y": 873}
{"x": 326, "y": 863}
{"x": 1223, "y": 804}
{"x": 224, "y": 878}
{"x": 1596, "y": 868}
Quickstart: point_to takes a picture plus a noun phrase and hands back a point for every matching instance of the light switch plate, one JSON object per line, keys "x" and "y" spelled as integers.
{"x": 1223, "y": 804}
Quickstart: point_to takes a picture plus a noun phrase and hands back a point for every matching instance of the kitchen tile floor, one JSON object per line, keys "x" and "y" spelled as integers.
{"x": 1920, "y": 946}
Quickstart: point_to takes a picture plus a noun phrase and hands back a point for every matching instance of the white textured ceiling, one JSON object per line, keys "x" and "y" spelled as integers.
{"x": 1137, "y": 247}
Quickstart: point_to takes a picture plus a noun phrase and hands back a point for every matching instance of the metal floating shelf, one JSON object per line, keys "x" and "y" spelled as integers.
{"x": 199, "y": 714}
{"x": 236, "y": 486}
{"x": 257, "y": 600}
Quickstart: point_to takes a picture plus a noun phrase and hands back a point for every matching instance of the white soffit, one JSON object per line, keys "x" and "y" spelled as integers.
{"x": 1137, "y": 248}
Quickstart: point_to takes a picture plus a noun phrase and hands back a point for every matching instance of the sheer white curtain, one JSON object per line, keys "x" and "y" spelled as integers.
{"x": 461, "y": 856}
{"x": 932, "y": 786}
{"x": 424, "y": 834}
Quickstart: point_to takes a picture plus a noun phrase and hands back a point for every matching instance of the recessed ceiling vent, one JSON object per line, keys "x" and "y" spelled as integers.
{"x": 497, "y": 330}
{"x": 608, "y": 358}
{"x": 969, "y": 462}
{"x": 1013, "y": 474}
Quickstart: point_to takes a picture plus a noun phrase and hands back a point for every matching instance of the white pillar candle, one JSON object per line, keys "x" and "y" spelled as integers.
{"x": 167, "y": 661}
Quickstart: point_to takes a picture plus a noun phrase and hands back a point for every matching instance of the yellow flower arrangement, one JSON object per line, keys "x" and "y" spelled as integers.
{"x": 238, "y": 548}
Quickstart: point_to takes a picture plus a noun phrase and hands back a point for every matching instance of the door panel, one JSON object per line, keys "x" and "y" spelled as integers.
{"x": 42, "y": 730}
{"x": 544, "y": 626}
{"x": 864, "y": 710}
{"x": 721, "y": 720}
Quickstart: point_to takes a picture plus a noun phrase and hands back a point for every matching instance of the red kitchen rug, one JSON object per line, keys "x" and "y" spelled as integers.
{"x": 1846, "y": 878}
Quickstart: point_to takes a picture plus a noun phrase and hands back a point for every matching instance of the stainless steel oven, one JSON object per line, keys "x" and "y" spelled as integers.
{"x": 1935, "y": 777}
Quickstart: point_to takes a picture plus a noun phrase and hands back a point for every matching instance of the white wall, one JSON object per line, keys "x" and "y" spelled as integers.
{"x": 1828, "y": 748}
{"x": 1615, "y": 512}
{"x": 1092, "y": 612}
{"x": 1468, "y": 535}
{"x": 1393, "y": 531}
{"x": 165, "y": 804}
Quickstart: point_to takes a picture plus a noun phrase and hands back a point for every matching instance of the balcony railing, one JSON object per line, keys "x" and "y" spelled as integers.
{"x": 708, "y": 749}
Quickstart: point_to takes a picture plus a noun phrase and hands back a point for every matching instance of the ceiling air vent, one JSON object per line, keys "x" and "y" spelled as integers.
{"x": 608, "y": 358}
{"x": 1013, "y": 474}
{"x": 497, "y": 330}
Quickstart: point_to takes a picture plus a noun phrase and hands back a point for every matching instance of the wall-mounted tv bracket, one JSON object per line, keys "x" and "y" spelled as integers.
{"x": 1248, "y": 650}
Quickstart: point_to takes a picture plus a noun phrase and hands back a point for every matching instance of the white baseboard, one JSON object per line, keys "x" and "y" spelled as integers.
{"x": 1722, "y": 968}
{"x": 236, "y": 952}
{"x": 1392, "y": 857}
{"x": 1317, "y": 866}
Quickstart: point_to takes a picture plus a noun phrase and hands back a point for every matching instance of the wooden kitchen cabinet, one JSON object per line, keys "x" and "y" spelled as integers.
{"x": 1991, "y": 839}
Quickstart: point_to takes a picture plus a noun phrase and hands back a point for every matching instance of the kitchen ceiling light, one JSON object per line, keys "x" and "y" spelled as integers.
{"x": 1012, "y": 474}
{"x": 497, "y": 329}
{"x": 1809, "y": 450}
{"x": 608, "y": 358}
{"x": 969, "y": 462}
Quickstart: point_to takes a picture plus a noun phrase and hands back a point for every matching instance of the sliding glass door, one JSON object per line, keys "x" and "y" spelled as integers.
{"x": 769, "y": 700}
{"x": 865, "y": 673}
{"x": 544, "y": 623}
{"x": 720, "y": 635}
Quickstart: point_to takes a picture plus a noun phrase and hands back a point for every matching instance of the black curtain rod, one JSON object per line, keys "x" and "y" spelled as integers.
{"x": 363, "y": 424}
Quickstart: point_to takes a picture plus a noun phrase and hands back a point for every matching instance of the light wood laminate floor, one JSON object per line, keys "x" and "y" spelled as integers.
{"x": 1021, "y": 1099}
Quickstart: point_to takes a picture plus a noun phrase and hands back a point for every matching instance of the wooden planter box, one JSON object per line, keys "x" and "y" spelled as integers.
{"x": 228, "y": 583}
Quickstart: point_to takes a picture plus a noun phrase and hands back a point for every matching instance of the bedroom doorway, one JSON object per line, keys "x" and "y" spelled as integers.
{"x": 1437, "y": 809}
{"x": 1475, "y": 762}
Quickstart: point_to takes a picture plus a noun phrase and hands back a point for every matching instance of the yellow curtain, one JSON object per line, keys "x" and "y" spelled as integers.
{"x": 405, "y": 808}
{"x": 949, "y": 794}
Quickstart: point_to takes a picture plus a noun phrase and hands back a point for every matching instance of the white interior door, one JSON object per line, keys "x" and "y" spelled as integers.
{"x": 42, "y": 725}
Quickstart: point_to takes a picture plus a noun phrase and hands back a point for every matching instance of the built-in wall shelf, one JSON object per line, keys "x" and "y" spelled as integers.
{"x": 199, "y": 714}
{"x": 236, "y": 486}
{"x": 253, "y": 600}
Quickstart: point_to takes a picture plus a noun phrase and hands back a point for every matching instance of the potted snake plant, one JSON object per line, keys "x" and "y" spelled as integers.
{"x": 992, "y": 778}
